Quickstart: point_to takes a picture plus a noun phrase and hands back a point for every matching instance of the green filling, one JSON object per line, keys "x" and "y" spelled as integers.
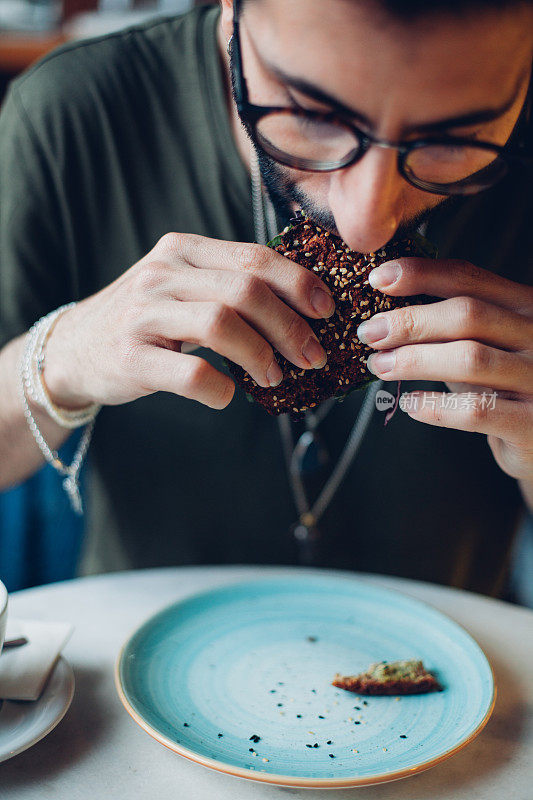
{"x": 385, "y": 672}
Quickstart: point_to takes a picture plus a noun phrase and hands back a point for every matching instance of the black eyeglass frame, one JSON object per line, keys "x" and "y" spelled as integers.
{"x": 251, "y": 114}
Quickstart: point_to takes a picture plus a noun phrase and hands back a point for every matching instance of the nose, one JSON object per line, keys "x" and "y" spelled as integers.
{"x": 365, "y": 200}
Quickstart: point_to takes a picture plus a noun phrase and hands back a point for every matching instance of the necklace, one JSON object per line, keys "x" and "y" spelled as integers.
{"x": 305, "y": 531}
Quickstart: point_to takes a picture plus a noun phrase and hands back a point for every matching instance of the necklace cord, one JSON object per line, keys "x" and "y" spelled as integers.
{"x": 265, "y": 226}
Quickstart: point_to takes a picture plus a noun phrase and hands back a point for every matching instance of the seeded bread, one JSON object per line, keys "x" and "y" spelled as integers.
{"x": 345, "y": 272}
{"x": 396, "y": 677}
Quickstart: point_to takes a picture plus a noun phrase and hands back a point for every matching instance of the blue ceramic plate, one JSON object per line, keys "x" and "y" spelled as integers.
{"x": 256, "y": 659}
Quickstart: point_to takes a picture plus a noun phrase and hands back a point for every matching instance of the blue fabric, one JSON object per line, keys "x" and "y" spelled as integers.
{"x": 40, "y": 536}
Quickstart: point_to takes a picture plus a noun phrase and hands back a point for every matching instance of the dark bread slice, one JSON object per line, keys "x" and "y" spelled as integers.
{"x": 345, "y": 272}
{"x": 387, "y": 678}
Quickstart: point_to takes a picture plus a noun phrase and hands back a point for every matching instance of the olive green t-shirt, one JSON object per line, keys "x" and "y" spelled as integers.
{"x": 105, "y": 146}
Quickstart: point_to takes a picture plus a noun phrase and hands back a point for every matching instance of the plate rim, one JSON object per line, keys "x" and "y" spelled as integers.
{"x": 291, "y": 780}
{"x": 70, "y": 682}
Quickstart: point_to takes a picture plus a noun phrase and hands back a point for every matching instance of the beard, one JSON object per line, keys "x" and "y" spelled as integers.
{"x": 285, "y": 194}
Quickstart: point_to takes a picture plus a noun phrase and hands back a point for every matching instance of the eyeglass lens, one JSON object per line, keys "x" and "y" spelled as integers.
{"x": 315, "y": 142}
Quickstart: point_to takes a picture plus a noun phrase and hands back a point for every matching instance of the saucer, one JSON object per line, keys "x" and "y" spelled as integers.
{"x": 23, "y": 724}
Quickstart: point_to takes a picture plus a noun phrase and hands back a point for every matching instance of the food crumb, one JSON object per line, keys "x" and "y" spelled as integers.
{"x": 331, "y": 755}
{"x": 312, "y": 639}
{"x": 265, "y": 760}
{"x": 384, "y": 749}
{"x": 185, "y": 724}
{"x": 329, "y": 741}
{"x": 220, "y": 735}
{"x": 355, "y": 751}
{"x": 403, "y": 736}
{"x": 299, "y": 716}
{"x": 255, "y": 738}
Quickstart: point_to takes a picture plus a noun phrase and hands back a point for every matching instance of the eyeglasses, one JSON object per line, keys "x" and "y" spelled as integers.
{"x": 316, "y": 141}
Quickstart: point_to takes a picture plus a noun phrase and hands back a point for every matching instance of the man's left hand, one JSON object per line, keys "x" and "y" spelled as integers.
{"x": 478, "y": 340}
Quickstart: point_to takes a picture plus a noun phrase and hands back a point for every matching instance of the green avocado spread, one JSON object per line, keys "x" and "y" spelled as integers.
{"x": 395, "y": 670}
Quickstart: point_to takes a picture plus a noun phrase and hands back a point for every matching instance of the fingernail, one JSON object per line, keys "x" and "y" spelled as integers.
{"x": 373, "y": 330}
{"x": 314, "y": 353}
{"x": 322, "y": 302}
{"x": 274, "y": 374}
{"x": 385, "y": 275}
{"x": 379, "y": 363}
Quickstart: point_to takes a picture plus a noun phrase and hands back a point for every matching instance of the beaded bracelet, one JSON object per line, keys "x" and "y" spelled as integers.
{"x": 32, "y": 387}
{"x": 33, "y": 369}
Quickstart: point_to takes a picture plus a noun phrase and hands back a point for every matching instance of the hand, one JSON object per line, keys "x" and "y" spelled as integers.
{"x": 479, "y": 341}
{"x": 240, "y": 300}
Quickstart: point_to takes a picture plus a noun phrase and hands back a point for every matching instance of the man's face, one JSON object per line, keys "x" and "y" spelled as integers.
{"x": 396, "y": 78}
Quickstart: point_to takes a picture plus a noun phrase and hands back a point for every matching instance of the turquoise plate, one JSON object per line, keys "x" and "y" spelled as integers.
{"x": 256, "y": 659}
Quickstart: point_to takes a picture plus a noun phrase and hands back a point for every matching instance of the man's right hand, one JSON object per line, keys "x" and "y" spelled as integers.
{"x": 239, "y": 300}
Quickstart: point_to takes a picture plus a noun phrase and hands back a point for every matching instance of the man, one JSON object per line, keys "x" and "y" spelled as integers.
{"x": 129, "y": 150}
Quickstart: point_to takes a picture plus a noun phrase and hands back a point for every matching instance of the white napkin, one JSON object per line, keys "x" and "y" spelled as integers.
{"x": 25, "y": 670}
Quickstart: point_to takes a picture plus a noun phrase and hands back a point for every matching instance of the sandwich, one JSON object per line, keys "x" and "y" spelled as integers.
{"x": 388, "y": 678}
{"x": 345, "y": 273}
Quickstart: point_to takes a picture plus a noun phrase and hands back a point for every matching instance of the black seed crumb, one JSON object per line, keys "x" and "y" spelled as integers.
{"x": 314, "y": 691}
{"x": 251, "y": 750}
{"x": 312, "y": 638}
{"x": 185, "y": 724}
{"x": 220, "y": 735}
{"x": 255, "y": 738}
{"x": 316, "y": 744}
{"x": 403, "y": 736}
{"x": 357, "y": 722}
{"x": 280, "y": 704}
{"x": 357, "y": 708}
{"x": 331, "y": 755}
{"x": 280, "y": 683}
{"x": 308, "y": 745}
{"x": 299, "y": 716}
{"x": 321, "y": 717}
{"x": 272, "y": 691}
{"x": 329, "y": 741}
{"x": 365, "y": 703}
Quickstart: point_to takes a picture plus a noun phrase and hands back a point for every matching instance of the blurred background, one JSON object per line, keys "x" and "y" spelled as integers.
{"x": 40, "y": 537}
{"x": 30, "y": 28}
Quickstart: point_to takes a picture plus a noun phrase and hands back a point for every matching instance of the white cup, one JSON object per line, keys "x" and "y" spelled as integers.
{"x": 3, "y": 613}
